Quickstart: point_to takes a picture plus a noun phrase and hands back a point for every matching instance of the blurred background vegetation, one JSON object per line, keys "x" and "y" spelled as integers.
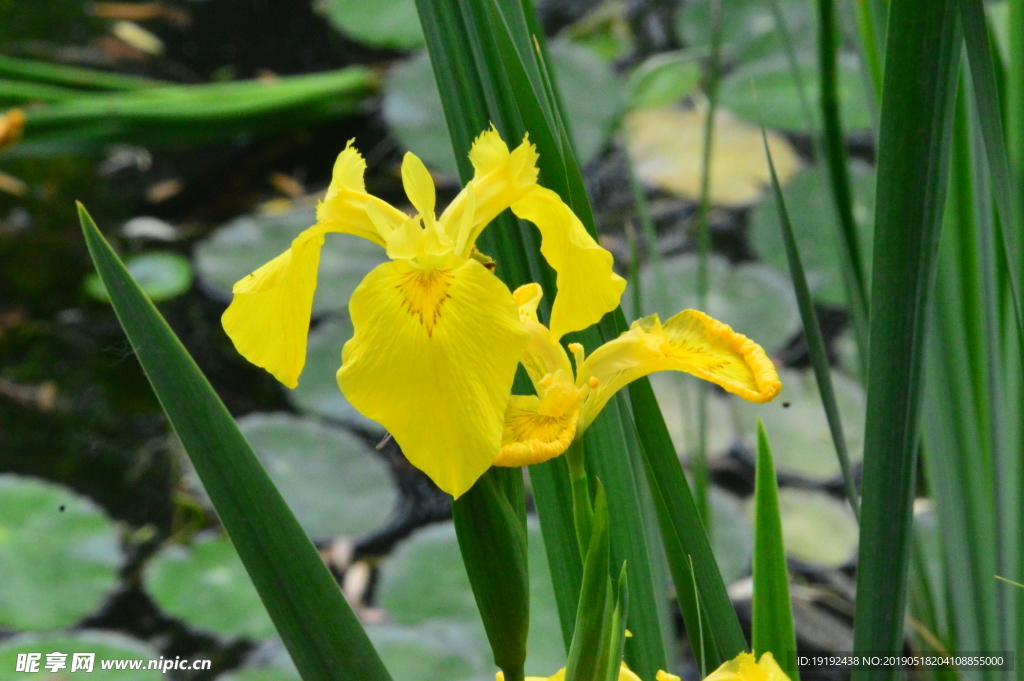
{"x": 200, "y": 134}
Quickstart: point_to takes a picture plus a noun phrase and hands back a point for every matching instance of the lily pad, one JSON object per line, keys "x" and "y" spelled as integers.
{"x": 318, "y": 391}
{"x": 333, "y": 481}
{"x": 425, "y": 582}
{"x": 677, "y": 395}
{"x": 754, "y": 299}
{"x": 207, "y": 587}
{"x": 732, "y": 535}
{"x": 666, "y": 144}
{"x": 383, "y": 23}
{"x": 59, "y": 555}
{"x": 749, "y": 29}
{"x": 590, "y": 93}
{"x": 775, "y": 84}
{"x": 105, "y": 646}
{"x": 246, "y": 243}
{"x": 801, "y": 441}
{"x": 161, "y": 275}
{"x": 816, "y": 528}
{"x": 813, "y": 216}
{"x": 663, "y": 79}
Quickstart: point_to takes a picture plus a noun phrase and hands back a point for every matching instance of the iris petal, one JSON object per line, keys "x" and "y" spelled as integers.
{"x": 432, "y": 360}
{"x": 344, "y": 208}
{"x": 268, "y": 319}
{"x": 587, "y": 286}
{"x": 690, "y": 341}
{"x": 531, "y": 437}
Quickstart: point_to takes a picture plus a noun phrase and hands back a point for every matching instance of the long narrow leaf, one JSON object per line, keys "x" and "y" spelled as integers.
{"x": 772, "y": 627}
{"x": 922, "y": 60}
{"x": 321, "y": 632}
{"x": 812, "y": 332}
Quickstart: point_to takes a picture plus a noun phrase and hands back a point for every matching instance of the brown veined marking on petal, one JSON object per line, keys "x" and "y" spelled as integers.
{"x": 530, "y": 437}
{"x": 424, "y": 292}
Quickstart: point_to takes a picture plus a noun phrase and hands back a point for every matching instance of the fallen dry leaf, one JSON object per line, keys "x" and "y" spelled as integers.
{"x": 666, "y": 144}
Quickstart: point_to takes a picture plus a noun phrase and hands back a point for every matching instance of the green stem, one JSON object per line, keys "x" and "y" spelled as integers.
{"x": 582, "y": 511}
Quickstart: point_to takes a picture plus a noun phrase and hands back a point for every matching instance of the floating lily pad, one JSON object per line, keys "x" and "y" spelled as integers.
{"x": 590, "y": 93}
{"x": 663, "y": 79}
{"x": 801, "y": 441}
{"x": 434, "y": 651}
{"x": 318, "y": 390}
{"x": 666, "y": 144}
{"x": 333, "y": 481}
{"x": 105, "y": 646}
{"x": 161, "y": 275}
{"x": 59, "y": 555}
{"x": 246, "y": 243}
{"x": 816, "y": 528}
{"x": 207, "y": 587}
{"x": 749, "y": 29}
{"x": 815, "y": 224}
{"x": 677, "y": 395}
{"x": 732, "y": 535}
{"x": 425, "y": 581}
{"x": 385, "y": 23}
{"x": 779, "y": 94}
{"x": 752, "y": 298}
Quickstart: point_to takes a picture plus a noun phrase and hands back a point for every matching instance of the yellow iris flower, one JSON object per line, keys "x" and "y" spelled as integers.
{"x": 625, "y": 674}
{"x": 542, "y": 426}
{"x": 437, "y": 335}
{"x": 746, "y": 667}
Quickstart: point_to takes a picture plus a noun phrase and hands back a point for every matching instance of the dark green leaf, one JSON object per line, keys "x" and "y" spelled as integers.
{"x": 316, "y": 623}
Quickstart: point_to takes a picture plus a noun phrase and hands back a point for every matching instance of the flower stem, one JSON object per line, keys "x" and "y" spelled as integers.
{"x": 582, "y": 511}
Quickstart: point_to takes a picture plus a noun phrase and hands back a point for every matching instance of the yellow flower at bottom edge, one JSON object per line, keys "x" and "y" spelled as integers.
{"x": 746, "y": 667}
{"x": 437, "y": 335}
{"x": 624, "y": 675}
{"x": 542, "y": 426}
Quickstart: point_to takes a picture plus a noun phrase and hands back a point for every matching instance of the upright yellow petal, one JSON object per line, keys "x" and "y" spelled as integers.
{"x": 432, "y": 360}
{"x": 419, "y": 185}
{"x": 545, "y": 355}
{"x": 587, "y": 287}
{"x": 501, "y": 178}
{"x": 690, "y": 341}
{"x": 746, "y": 667}
{"x": 268, "y": 319}
{"x": 344, "y": 208}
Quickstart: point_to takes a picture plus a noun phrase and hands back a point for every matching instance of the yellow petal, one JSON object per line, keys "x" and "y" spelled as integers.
{"x": 419, "y": 185}
{"x": 690, "y": 341}
{"x": 545, "y": 355}
{"x": 432, "y": 360}
{"x": 344, "y": 208}
{"x": 587, "y": 286}
{"x": 665, "y": 676}
{"x": 531, "y": 437}
{"x": 501, "y": 177}
{"x": 268, "y": 319}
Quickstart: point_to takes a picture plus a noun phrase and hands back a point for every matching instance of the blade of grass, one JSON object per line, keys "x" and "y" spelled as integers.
{"x": 772, "y": 618}
{"x": 318, "y": 627}
{"x": 812, "y": 332}
{"x": 839, "y": 175}
{"x": 922, "y": 61}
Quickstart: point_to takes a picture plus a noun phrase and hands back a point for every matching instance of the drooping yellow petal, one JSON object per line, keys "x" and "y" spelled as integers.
{"x": 531, "y": 437}
{"x": 432, "y": 360}
{"x": 344, "y": 208}
{"x": 690, "y": 341}
{"x": 587, "y": 286}
{"x": 268, "y": 319}
{"x": 544, "y": 355}
{"x": 501, "y": 178}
